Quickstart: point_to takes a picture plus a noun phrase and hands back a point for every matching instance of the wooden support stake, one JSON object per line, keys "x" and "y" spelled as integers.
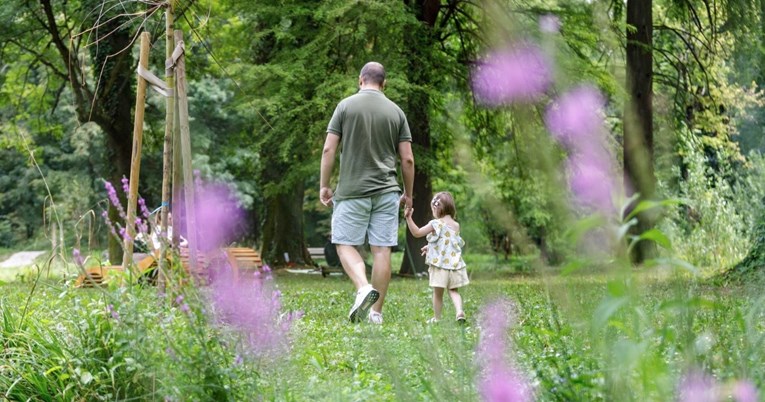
{"x": 183, "y": 115}
{"x": 135, "y": 162}
{"x": 167, "y": 153}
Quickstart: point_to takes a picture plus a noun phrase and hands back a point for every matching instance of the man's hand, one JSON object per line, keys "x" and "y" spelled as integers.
{"x": 325, "y": 195}
{"x": 406, "y": 200}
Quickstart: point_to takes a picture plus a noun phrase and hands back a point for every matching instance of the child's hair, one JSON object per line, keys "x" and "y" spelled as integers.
{"x": 443, "y": 203}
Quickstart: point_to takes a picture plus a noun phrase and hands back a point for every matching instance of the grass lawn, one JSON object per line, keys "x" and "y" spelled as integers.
{"x": 584, "y": 337}
{"x": 565, "y": 338}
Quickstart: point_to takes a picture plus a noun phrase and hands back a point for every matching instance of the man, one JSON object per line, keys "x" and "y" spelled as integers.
{"x": 372, "y": 130}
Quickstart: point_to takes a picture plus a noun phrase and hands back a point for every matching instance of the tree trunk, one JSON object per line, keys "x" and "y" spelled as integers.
{"x": 283, "y": 229}
{"x": 111, "y": 104}
{"x": 638, "y": 119}
{"x": 114, "y": 103}
{"x": 420, "y": 45}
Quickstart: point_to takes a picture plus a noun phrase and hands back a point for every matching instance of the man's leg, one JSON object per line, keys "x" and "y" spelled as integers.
{"x": 383, "y": 234}
{"x": 380, "y": 274}
{"x": 353, "y": 265}
{"x": 350, "y": 220}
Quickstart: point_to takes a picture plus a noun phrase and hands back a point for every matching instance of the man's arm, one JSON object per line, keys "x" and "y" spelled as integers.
{"x": 407, "y": 171}
{"x": 327, "y": 163}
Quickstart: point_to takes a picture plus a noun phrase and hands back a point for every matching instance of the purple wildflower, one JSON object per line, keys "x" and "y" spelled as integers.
{"x": 238, "y": 360}
{"x": 125, "y": 185}
{"x": 590, "y": 182}
{"x": 251, "y": 306}
{"x": 698, "y": 387}
{"x": 549, "y": 23}
{"x": 114, "y": 314}
{"x": 179, "y": 300}
{"x": 745, "y": 391}
{"x": 113, "y": 198}
{"x": 504, "y": 384}
{"x": 124, "y": 234}
{"x": 112, "y": 193}
{"x": 185, "y": 308}
{"x": 77, "y": 257}
{"x": 519, "y": 74}
{"x": 144, "y": 210}
{"x": 218, "y": 216}
{"x": 499, "y": 380}
{"x": 576, "y": 118}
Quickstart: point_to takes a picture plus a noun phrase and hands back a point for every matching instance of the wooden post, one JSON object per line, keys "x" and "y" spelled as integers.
{"x": 167, "y": 153}
{"x": 135, "y": 162}
{"x": 188, "y": 188}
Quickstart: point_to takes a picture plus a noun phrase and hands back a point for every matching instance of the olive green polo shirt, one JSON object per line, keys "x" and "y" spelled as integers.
{"x": 370, "y": 127}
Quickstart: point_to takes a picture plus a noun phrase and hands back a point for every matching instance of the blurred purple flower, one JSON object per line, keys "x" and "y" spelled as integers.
{"x": 519, "y": 74}
{"x": 504, "y": 384}
{"x": 238, "y": 360}
{"x": 179, "y": 300}
{"x": 170, "y": 353}
{"x": 253, "y": 307}
{"x": 499, "y": 380}
{"x": 185, "y": 308}
{"x": 745, "y": 391}
{"x": 549, "y": 23}
{"x": 219, "y": 218}
{"x": 576, "y": 118}
{"x": 590, "y": 181}
{"x": 698, "y": 387}
{"x": 125, "y": 185}
{"x": 77, "y": 257}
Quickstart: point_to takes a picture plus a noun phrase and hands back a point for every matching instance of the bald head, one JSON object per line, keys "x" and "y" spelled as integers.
{"x": 373, "y": 73}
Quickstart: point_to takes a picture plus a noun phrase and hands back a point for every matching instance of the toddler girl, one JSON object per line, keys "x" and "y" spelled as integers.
{"x": 443, "y": 254}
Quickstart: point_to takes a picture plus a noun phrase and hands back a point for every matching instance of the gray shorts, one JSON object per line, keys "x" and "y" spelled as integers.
{"x": 375, "y": 216}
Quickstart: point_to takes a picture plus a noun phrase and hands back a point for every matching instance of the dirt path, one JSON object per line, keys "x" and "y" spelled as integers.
{"x": 21, "y": 259}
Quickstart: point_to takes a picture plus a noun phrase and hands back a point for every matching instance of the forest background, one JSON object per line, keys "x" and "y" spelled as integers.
{"x": 264, "y": 77}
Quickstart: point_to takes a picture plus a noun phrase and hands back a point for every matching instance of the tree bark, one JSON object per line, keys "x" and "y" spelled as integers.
{"x": 110, "y": 105}
{"x": 283, "y": 229}
{"x": 638, "y": 119}
{"x": 420, "y": 44}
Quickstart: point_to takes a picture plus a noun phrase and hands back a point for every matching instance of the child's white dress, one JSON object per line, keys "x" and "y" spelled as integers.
{"x": 444, "y": 256}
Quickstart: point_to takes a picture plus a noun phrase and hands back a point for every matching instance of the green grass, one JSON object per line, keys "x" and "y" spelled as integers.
{"x": 583, "y": 337}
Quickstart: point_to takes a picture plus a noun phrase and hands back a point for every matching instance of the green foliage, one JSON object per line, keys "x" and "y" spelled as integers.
{"x": 117, "y": 344}
{"x": 713, "y": 230}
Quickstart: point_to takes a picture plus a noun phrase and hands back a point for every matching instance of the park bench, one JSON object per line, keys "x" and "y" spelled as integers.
{"x": 237, "y": 257}
{"x": 317, "y": 253}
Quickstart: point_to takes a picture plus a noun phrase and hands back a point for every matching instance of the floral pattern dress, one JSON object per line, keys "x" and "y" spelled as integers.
{"x": 444, "y": 247}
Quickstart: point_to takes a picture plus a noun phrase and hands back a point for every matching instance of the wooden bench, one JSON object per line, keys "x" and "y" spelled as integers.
{"x": 237, "y": 257}
{"x": 317, "y": 253}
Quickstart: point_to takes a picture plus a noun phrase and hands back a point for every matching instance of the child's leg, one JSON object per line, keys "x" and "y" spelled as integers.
{"x": 457, "y": 300}
{"x": 438, "y": 302}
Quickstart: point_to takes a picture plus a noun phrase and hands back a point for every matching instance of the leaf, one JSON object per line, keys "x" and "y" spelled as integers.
{"x": 606, "y": 309}
{"x": 625, "y": 227}
{"x": 583, "y": 226}
{"x": 657, "y": 236}
{"x": 649, "y": 204}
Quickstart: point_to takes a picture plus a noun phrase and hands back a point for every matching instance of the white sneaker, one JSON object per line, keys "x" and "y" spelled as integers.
{"x": 375, "y": 317}
{"x": 365, "y": 298}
